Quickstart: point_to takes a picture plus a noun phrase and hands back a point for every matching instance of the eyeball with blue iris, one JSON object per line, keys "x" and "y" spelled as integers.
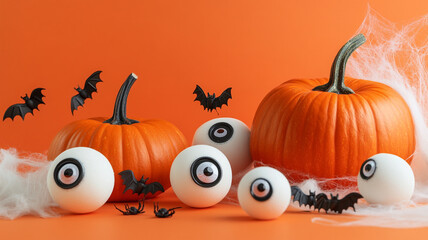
{"x": 386, "y": 179}
{"x": 264, "y": 193}
{"x": 201, "y": 176}
{"x": 230, "y": 136}
{"x": 80, "y": 180}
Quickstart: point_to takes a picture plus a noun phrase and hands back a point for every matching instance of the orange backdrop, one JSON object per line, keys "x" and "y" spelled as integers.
{"x": 251, "y": 46}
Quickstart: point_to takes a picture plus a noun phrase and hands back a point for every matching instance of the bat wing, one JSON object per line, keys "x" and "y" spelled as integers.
{"x": 37, "y": 97}
{"x": 91, "y": 83}
{"x": 347, "y": 202}
{"x": 153, "y": 188}
{"x": 322, "y": 202}
{"x": 223, "y": 98}
{"x": 76, "y": 101}
{"x": 17, "y": 109}
{"x": 200, "y": 96}
{"x": 300, "y": 197}
{"x": 129, "y": 181}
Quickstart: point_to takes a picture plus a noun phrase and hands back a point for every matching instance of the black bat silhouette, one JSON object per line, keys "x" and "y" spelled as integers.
{"x": 86, "y": 92}
{"x": 211, "y": 102}
{"x": 303, "y": 199}
{"x": 335, "y": 204}
{"x": 30, "y": 104}
{"x": 321, "y": 201}
{"x": 139, "y": 187}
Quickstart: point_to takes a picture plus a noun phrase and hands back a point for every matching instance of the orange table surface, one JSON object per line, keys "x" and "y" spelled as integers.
{"x": 223, "y": 221}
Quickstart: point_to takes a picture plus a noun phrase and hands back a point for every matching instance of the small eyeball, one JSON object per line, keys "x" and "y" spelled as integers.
{"x": 386, "y": 179}
{"x": 230, "y": 136}
{"x": 201, "y": 176}
{"x": 264, "y": 193}
{"x": 80, "y": 180}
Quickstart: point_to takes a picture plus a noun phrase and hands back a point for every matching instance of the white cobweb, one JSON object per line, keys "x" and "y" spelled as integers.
{"x": 23, "y": 188}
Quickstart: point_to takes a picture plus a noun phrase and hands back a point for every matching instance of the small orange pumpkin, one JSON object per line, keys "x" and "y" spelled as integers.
{"x": 327, "y": 131}
{"x": 146, "y": 146}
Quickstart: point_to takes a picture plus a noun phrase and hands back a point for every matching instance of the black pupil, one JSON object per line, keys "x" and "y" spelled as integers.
{"x": 261, "y": 187}
{"x": 208, "y": 171}
{"x": 68, "y": 172}
{"x": 368, "y": 167}
{"x": 220, "y": 132}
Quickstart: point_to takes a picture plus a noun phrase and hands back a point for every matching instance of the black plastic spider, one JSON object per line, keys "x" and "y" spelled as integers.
{"x": 132, "y": 210}
{"x": 163, "y": 212}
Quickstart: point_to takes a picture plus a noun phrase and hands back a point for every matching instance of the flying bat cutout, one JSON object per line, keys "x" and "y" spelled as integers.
{"x": 335, "y": 204}
{"x": 321, "y": 201}
{"x": 86, "y": 92}
{"x": 211, "y": 102}
{"x": 30, "y": 104}
{"x": 139, "y": 187}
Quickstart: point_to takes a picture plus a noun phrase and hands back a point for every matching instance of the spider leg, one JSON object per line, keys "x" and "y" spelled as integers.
{"x": 173, "y": 208}
{"x": 119, "y": 209}
{"x": 144, "y": 201}
{"x": 142, "y": 207}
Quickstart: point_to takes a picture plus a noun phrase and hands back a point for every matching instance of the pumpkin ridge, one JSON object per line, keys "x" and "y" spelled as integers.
{"x": 334, "y": 99}
{"x": 94, "y": 133}
{"x": 62, "y": 138}
{"x": 298, "y": 107}
{"x": 262, "y": 132}
{"x": 371, "y": 105}
{"x": 139, "y": 129}
{"x": 322, "y": 98}
{"x": 77, "y": 134}
{"x": 99, "y": 131}
{"x": 112, "y": 132}
{"x": 366, "y": 103}
{"x": 161, "y": 129}
{"x": 351, "y": 126}
{"x": 271, "y": 94}
{"x": 277, "y": 139}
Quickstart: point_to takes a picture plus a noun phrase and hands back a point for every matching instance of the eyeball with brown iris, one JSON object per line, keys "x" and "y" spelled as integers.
{"x": 80, "y": 180}
{"x": 386, "y": 179}
{"x": 264, "y": 193}
{"x": 230, "y": 136}
{"x": 201, "y": 176}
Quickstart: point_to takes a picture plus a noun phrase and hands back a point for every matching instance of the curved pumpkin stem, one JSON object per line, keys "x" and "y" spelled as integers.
{"x": 119, "y": 112}
{"x": 336, "y": 83}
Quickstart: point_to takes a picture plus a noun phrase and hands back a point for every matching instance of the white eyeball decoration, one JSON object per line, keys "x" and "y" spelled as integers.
{"x": 80, "y": 180}
{"x": 386, "y": 179}
{"x": 201, "y": 176}
{"x": 264, "y": 193}
{"x": 230, "y": 136}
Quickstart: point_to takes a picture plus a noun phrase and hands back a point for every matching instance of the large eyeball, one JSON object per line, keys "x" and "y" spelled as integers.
{"x": 230, "y": 136}
{"x": 201, "y": 176}
{"x": 386, "y": 179}
{"x": 80, "y": 180}
{"x": 264, "y": 193}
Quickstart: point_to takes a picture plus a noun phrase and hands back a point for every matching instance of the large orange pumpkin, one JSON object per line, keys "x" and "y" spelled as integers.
{"x": 313, "y": 129}
{"x": 146, "y": 146}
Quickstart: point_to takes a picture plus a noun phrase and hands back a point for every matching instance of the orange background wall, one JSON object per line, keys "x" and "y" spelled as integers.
{"x": 251, "y": 46}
